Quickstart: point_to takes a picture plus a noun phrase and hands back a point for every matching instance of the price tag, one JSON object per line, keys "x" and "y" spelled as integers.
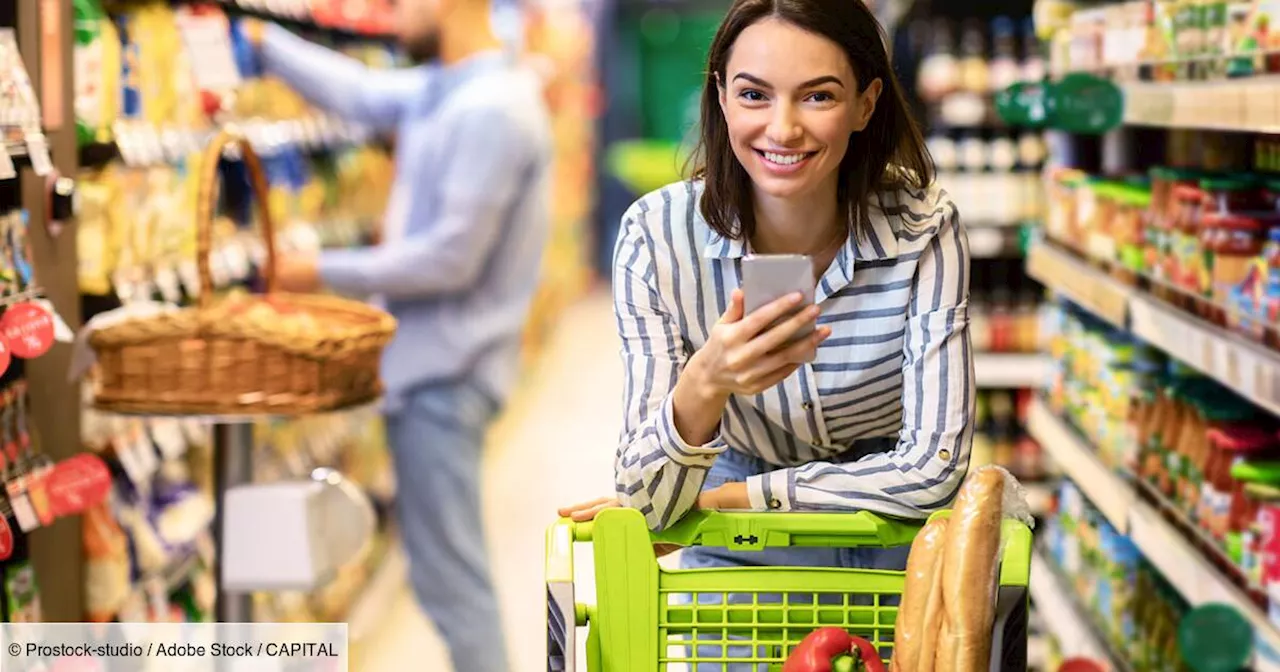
{"x": 8, "y": 171}
{"x": 62, "y": 332}
{"x": 78, "y": 484}
{"x": 236, "y": 260}
{"x": 28, "y": 328}
{"x": 38, "y": 152}
{"x": 158, "y": 598}
{"x": 170, "y": 286}
{"x": 23, "y": 512}
{"x": 167, "y": 433}
{"x": 6, "y": 539}
{"x": 148, "y": 460}
{"x": 189, "y": 274}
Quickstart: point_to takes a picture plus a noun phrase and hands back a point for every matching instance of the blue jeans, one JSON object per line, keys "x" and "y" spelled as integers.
{"x": 732, "y": 466}
{"x": 437, "y": 440}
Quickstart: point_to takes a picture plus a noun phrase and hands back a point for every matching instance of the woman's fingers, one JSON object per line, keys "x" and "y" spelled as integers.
{"x": 787, "y": 359}
{"x": 783, "y": 333}
{"x": 595, "y": 504}
{"x": 734, "y": 312}
{"x": 756, "y": 322}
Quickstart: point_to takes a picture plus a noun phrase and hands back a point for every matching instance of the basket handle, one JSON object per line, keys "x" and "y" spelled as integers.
{"x": 230, "y": 137}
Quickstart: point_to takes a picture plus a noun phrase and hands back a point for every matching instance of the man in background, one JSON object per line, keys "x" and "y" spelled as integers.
{"x": 457, "y": 265}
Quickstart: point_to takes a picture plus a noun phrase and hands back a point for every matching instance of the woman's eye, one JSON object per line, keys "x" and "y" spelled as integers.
{"x": 821, "y": 97}
{"x": 751, "y": 95}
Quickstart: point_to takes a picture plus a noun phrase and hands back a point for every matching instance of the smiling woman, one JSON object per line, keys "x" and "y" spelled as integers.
{"x": 863, "y": 400}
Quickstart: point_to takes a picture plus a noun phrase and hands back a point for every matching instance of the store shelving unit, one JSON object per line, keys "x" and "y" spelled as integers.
{"x": 1065, "y": 619}
{"x": 1185, "y": 567}
{"x": 44, "y": 32}
{"x": 1010, "y": 370}
{"x": 1247, "y": 368}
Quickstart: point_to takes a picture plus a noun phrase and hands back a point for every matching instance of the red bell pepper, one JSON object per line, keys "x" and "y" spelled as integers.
{"x": 832, "y": 649}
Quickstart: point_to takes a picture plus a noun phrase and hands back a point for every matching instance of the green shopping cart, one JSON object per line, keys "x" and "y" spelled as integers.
{"x": 651, "y": 618}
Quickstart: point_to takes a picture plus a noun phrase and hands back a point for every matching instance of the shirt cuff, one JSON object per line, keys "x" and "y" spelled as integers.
{"x": 680, "y": 452}
{"x": 772, "y": 491}
{"x": 343, "y": 271}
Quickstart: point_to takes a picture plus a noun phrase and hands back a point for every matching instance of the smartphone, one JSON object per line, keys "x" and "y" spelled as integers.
{"x": 768, "y": 277}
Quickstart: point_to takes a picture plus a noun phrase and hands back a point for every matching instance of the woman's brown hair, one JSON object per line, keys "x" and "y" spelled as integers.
{"x": 888, "y": 154}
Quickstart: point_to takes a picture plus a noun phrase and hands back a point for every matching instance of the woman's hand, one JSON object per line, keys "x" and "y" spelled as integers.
{"x": 581, "y": 513}
{"x": 728, "y": 496}
{"x": 744, "y": 355}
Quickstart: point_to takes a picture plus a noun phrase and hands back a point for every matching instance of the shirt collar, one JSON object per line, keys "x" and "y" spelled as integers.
{"x": 880, "y": 241}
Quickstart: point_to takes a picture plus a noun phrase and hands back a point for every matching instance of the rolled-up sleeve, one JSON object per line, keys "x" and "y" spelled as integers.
{"x": 931, "y": 458}
{"x": 656, "y": 470}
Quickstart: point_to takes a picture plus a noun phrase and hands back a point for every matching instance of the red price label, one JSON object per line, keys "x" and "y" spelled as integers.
{"x": 6, "y": 357}
{"x": 77, "y": 484}
{"x": 6, "y": 539}
{"x": 29, "y": 330}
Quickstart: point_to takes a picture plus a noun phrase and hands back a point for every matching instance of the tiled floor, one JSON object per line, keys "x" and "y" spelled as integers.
{"x": 555, "y": 446}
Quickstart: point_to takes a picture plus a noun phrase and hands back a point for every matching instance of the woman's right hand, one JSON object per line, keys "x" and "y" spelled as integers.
{"x": 744, "y": 355}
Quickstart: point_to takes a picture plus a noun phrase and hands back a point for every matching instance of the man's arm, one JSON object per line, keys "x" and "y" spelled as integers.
{"x": 491, "y": 156}
{"x": 337, "y": 83}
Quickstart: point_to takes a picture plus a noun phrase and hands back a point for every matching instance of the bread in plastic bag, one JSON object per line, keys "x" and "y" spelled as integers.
{"x": 970, "y": 571}
{"x": 922, "y": 594}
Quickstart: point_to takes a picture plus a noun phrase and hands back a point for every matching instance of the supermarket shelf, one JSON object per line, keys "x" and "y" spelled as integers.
{"x": 1186, "y": 568}
{"x": 1064, "y": 617}
{"x": 375, "y": 602}
{"x": 1113, "y": 496}
{"x": 1084, "y": 284}
{"x": 1247, "y": 368}
{"x": 1235, "y": 105}
{"x": 1000, "y": 370}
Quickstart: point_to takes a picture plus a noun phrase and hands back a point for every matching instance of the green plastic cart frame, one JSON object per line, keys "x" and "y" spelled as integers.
{"x": 646, "y": 619}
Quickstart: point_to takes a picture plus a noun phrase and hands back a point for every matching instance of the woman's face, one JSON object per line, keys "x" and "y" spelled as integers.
{"x": 790, "y": 100}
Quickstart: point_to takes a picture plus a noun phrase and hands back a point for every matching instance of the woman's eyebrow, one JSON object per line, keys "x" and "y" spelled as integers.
{"x": 816, "y": 81}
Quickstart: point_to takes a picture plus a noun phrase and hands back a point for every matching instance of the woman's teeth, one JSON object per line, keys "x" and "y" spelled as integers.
{"x": 785, "y": 159}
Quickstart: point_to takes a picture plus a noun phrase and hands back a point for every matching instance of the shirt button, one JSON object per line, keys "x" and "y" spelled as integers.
{"x": 807, "y": 406}
{"x": 945, "y": 455}
{"x": 775, "y": 504}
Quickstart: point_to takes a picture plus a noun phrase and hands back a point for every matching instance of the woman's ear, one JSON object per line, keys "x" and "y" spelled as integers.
{"x": 867, "y": 102}
{"x": 720, "y": 90}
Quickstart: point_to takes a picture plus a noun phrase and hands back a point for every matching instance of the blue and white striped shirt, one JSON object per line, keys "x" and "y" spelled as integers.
{"x": 897, "y": 364}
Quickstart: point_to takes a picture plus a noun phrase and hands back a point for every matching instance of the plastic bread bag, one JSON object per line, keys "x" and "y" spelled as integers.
{"x": 916, "y": 630}
{"x": 971, "y": 560}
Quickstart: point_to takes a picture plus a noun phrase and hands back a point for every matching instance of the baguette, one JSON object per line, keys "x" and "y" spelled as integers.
{"x": 969, "y": 575}
{"x": 922, "y": 588}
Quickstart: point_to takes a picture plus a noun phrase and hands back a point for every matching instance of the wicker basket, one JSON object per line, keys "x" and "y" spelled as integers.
{"x": 279, "y": 354}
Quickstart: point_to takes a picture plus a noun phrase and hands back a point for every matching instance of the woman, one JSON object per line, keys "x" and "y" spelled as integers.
{"x": 808, "y": 148}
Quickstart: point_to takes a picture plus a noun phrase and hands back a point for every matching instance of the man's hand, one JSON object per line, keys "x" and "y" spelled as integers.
{"x": 297, "y": 273}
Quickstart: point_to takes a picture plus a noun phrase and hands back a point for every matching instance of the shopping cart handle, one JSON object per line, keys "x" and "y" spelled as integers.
{"x": 755, "y": 531}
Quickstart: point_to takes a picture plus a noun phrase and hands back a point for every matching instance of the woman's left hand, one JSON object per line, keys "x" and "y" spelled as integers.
{"x": 728, "y": 496}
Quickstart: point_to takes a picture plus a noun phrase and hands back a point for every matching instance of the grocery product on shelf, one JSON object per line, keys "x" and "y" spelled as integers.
{"x": 1127, "y": 598}
{"x": 1000, "y": 437}
{"x": 1199, "y": 452}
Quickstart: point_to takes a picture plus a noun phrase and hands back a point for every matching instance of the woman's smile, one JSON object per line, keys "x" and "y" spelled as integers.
{"x": 787, "y": 162}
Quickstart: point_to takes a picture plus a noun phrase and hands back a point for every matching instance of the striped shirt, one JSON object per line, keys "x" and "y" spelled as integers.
{"x": 881, "y": 420}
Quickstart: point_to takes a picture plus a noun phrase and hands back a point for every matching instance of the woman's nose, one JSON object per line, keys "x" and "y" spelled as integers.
{"x": 784, "y": 127}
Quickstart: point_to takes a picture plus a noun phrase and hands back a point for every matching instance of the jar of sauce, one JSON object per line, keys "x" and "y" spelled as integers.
{"x": 1238, "y": 242}
{"x": 1234, "y": 193}
{"x": 1185, "y": 255}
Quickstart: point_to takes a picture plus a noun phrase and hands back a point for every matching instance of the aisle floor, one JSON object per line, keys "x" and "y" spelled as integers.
{"x": 554, "y": 446}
